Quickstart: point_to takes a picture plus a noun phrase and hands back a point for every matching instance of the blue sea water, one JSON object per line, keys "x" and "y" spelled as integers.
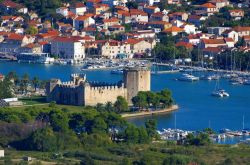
{"x": 197, "y": 109}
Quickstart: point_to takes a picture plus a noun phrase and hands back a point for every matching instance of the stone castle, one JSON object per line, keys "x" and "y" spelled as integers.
{"x": 79, "y": 91}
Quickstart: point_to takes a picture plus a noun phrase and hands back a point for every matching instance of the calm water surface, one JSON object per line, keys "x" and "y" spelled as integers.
{"x": 197, "y": 107}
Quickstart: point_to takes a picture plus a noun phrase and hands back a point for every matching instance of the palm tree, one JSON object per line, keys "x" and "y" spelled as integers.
{"x": 24, "y": 83}
{"x": 35, "y": 82}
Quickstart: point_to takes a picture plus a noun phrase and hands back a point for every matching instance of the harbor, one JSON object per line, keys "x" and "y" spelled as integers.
{"x": 191, "y": 115}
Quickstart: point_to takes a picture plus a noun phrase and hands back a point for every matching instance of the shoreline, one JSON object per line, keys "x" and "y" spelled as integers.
{"x": 147, "y": 113}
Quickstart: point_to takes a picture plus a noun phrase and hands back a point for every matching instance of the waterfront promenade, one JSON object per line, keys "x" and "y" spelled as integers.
{"x": 147, "y": 113}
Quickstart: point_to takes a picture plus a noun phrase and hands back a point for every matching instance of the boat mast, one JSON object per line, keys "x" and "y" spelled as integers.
{"x": 243, "y": 122}
{"x": 175, "y": 121}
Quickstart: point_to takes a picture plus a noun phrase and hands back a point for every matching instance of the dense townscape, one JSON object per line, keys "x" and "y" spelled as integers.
{"x": 168, "y": 30}
{"x": 85, "y": 122}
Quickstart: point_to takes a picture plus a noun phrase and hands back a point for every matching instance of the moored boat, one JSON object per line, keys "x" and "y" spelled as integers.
{"x": 188, "y": 77}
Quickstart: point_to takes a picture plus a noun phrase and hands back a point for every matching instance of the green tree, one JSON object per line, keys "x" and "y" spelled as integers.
{"x": 143, "y": 135}
{"x": 198, "y": 140}
{"x": 131, "y": 134}
{"x": 24, "y": 83}
{"x": 13, "y": 76}
{"x": 59, "y": 121}
{"x": 6, "y": 88}
{"x": 166, "y": 98}
{"x": 31, "y": 30}
{"x": 42, "y": 140}
{"x": 109, "y": 107}
{"x": 121, "y": 104}
{"x": 151, "y": 127}
{"x": 99, "y": 126}
{"x": 35, "y": 81}
{"x": 140, "y": 100}
{"x": 132, "y": 5}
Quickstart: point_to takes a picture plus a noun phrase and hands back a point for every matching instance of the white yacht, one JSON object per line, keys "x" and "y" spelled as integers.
{"x": 220, "y": 93}
{"x": 246, "y": 82}
{"x": 188, "y": 77}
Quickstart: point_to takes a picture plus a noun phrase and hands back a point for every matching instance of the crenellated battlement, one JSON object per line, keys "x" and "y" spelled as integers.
{"x": 112, "y": 87}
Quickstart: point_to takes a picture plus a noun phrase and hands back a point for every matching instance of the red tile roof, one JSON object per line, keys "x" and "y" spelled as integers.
{"x": 242, "y": 28}
{"x": 151, "y": 7}
{"x": 82, "y": 18}
{"x": 158, "y": 14}
{"x": 213, "y": 41}
{"x": 246, "y": 37}
{"x": 228, "y": 39}
{"x": 184, "y": 44}
{"x": 159, "y": 22}
{"x": 236, "y": 10}
{"x": 208, "y": 5}
{"x": 173, "y": 29}
{"x": 78, "y": 5}
{"x": 49, "y": 34}
{"x": 11, "y": 4}
{"x": 88, "y": 38}
{"x": 94, "y": 1}
{"x": 43, "y": 43}
{"x": 111, "y": 20}
{"x": 212, "y": 49}
{"x": 137, "y": 12}
{"x": 133, "y": 41}
{"x": 68, "y": 39}
{"x": 14, "y": 36}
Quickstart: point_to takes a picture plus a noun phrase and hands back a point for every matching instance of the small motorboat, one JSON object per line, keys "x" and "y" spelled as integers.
{"x": 188, "y": 77}
{"x": 220, "y": 93}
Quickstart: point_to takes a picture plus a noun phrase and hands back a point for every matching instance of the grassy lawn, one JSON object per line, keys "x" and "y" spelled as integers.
{"x": 40, "y": 102}
{"x": 33, "y": 100}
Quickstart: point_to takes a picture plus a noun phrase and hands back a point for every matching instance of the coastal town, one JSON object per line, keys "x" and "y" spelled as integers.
{"x": 124, "y": 82}
{"x": 121, "y": 29}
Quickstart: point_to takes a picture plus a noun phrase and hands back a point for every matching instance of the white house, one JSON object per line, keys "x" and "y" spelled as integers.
{"x": 81, "y": 22}
{"x": 78, "y": 8}
{"x": 70, "y": 48}
{"x": 1, "y": 153}
{"x": 242, "y": 30}
{"x": 63, "y": 11}
{"x": 231, "y": 34}
{"x": 189, "y": 28}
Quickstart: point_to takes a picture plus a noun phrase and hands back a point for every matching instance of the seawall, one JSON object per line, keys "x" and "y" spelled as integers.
{"x": 147, "y": 113}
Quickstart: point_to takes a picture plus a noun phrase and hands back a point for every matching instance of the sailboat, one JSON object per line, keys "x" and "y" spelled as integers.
{"x": 218, "y": 92}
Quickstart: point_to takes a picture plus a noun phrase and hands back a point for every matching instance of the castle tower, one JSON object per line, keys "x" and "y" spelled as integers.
{"x": 136, "y": 79}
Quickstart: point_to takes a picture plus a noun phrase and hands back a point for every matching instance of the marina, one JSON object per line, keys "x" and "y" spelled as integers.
{"x": 222, "y": 137}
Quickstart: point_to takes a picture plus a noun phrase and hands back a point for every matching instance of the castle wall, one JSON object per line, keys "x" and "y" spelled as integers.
{"x": 94, "y": 95}
{"x": 68, "y": 95}
{"x": 137, "y": 79}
